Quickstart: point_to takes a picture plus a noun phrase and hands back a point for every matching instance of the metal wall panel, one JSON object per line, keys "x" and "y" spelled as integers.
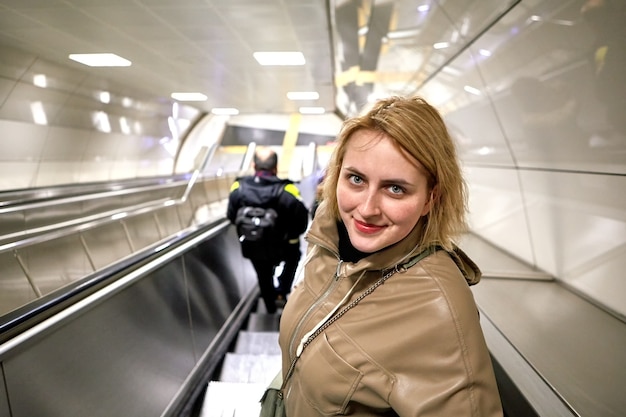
{"x": 107, "y": 244}
{"x": 15, "y": 290}
{"x": 56, "y": 262}
{"x": 168, "y": 220}
{"x": 142, "y": 230}
{"x": 4, "y": 401}
{"x": 129, "y": 354}
{"x": 109, "y": 360}
{"x": 224, "y": 278}
{"x": 534, "y": 130}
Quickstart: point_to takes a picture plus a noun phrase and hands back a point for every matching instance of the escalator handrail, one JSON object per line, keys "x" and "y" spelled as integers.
{"x": 32, "y": 196}
{"x": 37, "y": 317}
{"x": 196, "y": 381}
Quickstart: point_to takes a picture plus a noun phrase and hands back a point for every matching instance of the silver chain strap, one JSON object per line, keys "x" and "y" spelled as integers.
{"x": 336, "y": 317}
{"x": 398, "y": 268}
{"x": 349, "y": 306}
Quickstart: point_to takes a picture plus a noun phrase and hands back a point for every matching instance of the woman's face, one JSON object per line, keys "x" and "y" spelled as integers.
{"x": 381, "y": 192}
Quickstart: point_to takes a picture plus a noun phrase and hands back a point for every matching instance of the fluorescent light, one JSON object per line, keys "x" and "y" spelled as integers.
{"x": 303, "y": 95}
{"x": 451, "y": 71}
{"x": 101, "y": 60}
{"x": 472, "y": 90}
{"x": 40, "y": 80}
{"x": 279, "y": 58}
{"x": 189, "y": 96}
{"x": 563, "y": 22}
{"x": 105, "y": 97}
{"x": 403, "y": 34}
{"x": 225, "y": 111}
{"x": 39, "y": 114}
{"x": 441, "y": 45}
{"x": 312, "y": 110}
{"x": 124, "y": 126}
{"x": 423, "y": 8}
{"x": 101, "y": 121}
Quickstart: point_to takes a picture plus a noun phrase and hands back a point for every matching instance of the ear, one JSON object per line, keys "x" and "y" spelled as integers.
{"x": 434, "y": 196}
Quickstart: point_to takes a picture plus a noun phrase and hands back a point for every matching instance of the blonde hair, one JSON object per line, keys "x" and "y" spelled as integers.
{"x": 418, "y": 130}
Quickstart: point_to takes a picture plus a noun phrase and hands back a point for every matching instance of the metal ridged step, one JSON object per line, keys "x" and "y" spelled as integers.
{"x": 257, "y": 343}
{"x": 246, "y": 371}
{"x": 233, "y": 399}
{"x": 249, "y": 368}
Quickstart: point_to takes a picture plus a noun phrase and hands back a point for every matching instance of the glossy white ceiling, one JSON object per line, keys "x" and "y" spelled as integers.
{"x": 355, "y": 50}
{"x": 186, "y": 45}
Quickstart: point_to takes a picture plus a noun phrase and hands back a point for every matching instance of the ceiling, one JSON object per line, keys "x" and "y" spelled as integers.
{"x": 355, "y": 50}
{"x": 186, "y": 45}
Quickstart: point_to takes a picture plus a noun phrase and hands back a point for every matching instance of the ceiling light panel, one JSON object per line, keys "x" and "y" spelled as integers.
{"x": 100, "y": 60}
{"x": 312, "y": 110}
{"x": 303, "y": 95}
{"x": 189, "y": 96}
{"x": 279, "y": 58}
{"x": 225, "y": 111}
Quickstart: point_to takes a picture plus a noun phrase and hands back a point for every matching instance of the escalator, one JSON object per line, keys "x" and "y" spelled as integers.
{"x": 121, "y": 298}
{"x": 247, "y": 369}
{"x": 130, "y": 333}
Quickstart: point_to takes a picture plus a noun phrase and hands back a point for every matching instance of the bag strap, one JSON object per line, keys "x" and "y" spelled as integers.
{"x": 330, "y": 318}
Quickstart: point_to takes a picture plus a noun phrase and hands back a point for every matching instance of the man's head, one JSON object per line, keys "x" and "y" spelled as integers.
{"x": 265, "y": 159}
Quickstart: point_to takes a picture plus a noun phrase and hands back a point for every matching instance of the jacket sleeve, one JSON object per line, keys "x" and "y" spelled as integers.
{"x": 234, "y": 201}
{"x": 446, "y": 368}
{"x": 297, "y": 213}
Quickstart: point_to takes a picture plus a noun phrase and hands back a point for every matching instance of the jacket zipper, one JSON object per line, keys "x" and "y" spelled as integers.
{"x": 333, "y": 283}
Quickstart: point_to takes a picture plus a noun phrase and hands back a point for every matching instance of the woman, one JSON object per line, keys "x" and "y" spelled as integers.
{"x": 413, "y": 346}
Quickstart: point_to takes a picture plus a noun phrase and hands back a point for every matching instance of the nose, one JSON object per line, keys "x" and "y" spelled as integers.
{"x": 370, "y": 207}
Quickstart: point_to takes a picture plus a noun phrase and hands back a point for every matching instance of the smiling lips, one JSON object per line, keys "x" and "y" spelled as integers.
{"x": 366, "y": 227}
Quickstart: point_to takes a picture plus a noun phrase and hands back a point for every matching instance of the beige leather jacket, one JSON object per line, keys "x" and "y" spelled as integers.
{"x": 413, "y": 347}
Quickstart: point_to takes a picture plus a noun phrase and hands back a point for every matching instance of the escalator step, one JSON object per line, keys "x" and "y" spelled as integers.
{"x": 263, "y": 322}
{"x": 257, "y": 343}
{"x": 250, "y": 368}
{"x": 233, "y": 399}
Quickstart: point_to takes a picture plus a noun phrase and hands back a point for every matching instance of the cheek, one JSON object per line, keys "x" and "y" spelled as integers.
{"x": 407, "y": 215}
{"x": 345, "y": 198}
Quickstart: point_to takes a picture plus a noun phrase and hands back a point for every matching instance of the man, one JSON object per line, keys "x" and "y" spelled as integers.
{"x": 264, "y": 189}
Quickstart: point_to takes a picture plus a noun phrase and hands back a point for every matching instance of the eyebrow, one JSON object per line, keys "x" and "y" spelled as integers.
{"x": 395, "y": 181}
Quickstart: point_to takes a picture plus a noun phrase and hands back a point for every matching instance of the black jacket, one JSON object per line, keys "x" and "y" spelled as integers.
{"x": 271, "y": 192}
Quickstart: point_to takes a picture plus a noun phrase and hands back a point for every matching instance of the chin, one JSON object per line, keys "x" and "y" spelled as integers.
{"x": 367, "y": 248}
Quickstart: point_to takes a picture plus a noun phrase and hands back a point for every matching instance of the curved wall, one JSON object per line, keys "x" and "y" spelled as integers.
{"x": 533, "y": 111}
{"x": 535, "y": 103}
{"x": 60, "y": 125}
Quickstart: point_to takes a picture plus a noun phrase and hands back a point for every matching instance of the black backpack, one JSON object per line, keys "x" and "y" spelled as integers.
{"x": 257, "y": 231}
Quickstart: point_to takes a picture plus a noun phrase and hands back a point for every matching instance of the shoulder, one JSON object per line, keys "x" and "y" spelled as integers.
{"x": 434, "y": 287}
{"x": 286, "y": 186}
{"x": 442, "y": 271}
{"x": 235, "y": 186}
{"x": 239, "y": 181}
{"x": 291, "y": 188}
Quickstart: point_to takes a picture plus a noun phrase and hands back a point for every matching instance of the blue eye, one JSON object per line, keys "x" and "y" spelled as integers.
{"x": 395, "y": 189}
{"x": 355, "y": 179}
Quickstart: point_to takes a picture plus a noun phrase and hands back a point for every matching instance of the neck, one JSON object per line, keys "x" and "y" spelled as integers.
{"x": 264, "y": 173}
